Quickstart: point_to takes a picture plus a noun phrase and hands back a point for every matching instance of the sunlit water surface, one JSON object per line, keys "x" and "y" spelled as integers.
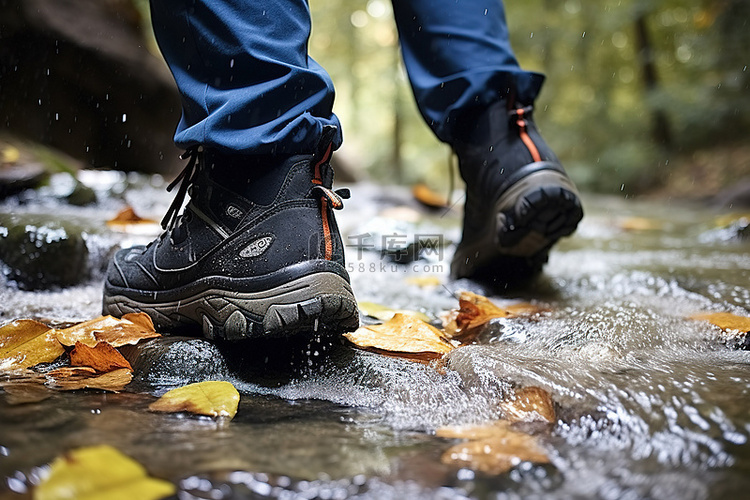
{"x": 651, "y": 404}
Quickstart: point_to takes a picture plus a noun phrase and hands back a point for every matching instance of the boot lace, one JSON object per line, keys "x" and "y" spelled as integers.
{"x": 184, "y": 180}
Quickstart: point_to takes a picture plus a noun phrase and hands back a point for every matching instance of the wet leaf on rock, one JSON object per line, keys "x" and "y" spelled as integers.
{"x": 726, "y": 321}
{"x": 131, "y": 329}
{"x": 404, "y": 335}
{"x": 493, "y": 449}
{"x": 211, "y": 398}
{"x": 25, "y": 343}
{"x": 475, "y": 311}
{"x": 102, "y": 358}
{"x": 529, "y": 404}
{"x": 73, "y": 378}
{"x": 100, "y": 472}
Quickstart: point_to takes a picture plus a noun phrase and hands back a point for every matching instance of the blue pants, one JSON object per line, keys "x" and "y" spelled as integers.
{"x": 248, "y": 85}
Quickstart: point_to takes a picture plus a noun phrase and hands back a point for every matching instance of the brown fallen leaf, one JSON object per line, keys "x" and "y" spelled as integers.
{"x": 131, "y": 329}
{"x": 83, "y": 377}
{"x": 428, "y": 197}
{"x": 211, "y": 398}
{"x": 102, "y": 358}
{"x": 25, "y": 343}
{"x": 127, "y": 216}
{"x": 480, "y": 431}
{"x": 402, "y": 334}
{"x": 726, "y": 321}
{"x": 529, "y": 404}
{"x": 475, "y": 311}
{"x": 493, "y": 449}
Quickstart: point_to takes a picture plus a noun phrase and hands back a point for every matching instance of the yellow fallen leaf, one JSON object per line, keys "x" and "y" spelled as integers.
{"x": 10, "y": 155}
{"x": 73, "y": 378}
{"x": 212, "y": 398}
{"x": 402, "y": 334}
{"x": 493, "y": 449}
{"x": 638, "y": 224}
{"x": 130, "y": 329}
{"x": 429, "y": 281}
{"x": 729, "y": 219}
{"x": 428, "y": 197}
{"x": 103, "y": 357}
{"x": 100, "y": 472}
{"x": 384, "y": 313}
{"x": 25, "y": 343}
{"x": 529, "y": 404}
{"x": 726, "y": 321}
{"x": 481, "y": 431}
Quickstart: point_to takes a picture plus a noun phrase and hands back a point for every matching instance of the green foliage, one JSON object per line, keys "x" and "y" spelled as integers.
{"x": 595, "y": 109}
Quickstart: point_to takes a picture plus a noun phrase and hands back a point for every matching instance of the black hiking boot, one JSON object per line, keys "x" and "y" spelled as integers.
{"x": 519, "y": 200}
{"x": 267, "y": 264}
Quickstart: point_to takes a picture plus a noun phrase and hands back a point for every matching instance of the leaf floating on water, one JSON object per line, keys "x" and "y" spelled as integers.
{"x": 99, "y": 472}
{"x": 102, "y": 358}
{"x": 25, "y": 343}
{"x": 493, "y": 449}
{"x": 529, "y": 404}
{"x": 212, "y": 398}
{"x": 131, "y": 329}
{"x": 74, "y": 378}
{"x": 402, "y": 334}
{"x": 726, "y": 321}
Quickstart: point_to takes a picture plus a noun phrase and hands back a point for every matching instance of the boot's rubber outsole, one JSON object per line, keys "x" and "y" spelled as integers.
{"x": 530, "y": 216}
{"x": 319, "y": 302}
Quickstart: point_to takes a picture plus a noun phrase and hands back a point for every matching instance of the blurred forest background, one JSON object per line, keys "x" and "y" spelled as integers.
{"x": 642, "y": 96}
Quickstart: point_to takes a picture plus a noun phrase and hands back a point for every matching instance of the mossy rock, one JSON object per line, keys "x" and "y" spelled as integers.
{"x": 40, "y": 253}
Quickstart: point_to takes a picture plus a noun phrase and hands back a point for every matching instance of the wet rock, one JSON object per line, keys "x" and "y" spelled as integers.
{"x": 40, "y": 253}
{"x": 168, "y": 362}
{"x": 16, "y": 178}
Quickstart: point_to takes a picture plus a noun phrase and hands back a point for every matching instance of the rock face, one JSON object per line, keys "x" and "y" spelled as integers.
{"x": 75, "y": 75}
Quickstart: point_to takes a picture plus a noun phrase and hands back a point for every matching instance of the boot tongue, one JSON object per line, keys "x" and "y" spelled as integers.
{"x": 257, "y": 178}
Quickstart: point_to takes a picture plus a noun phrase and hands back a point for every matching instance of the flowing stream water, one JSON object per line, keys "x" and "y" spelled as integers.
{"x": 650, "y": 403}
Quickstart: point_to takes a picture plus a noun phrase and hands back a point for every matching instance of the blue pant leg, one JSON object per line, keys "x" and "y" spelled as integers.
{"x": 247, "y": 83}
{"x": 458, "y": 57}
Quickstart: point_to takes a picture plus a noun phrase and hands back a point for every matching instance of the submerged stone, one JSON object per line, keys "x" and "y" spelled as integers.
{"x": 39, "y": 253}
